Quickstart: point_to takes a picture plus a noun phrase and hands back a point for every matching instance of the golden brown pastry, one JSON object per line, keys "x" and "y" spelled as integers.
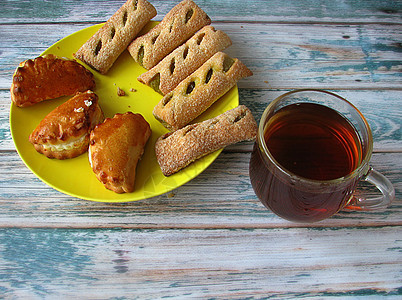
{"x": 64, "y": 132}
{"x": 179, "y": 24}
{"x": 48, "y": 77}
{"x": 199, "y": 91}
{"x": 115, "y": 148}
{"x": 176, "y": 150}
{"x": 187, "y": 58}
{"x": 105, "y": 46}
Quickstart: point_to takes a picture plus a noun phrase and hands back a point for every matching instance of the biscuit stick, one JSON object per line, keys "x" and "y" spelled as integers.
{"x": 199, "y": 91}
{"x": 187, "y": 58}
{"x": 105, "y": 46}
{"x": 176, "y": 150}
{"x": 178, "y": 25}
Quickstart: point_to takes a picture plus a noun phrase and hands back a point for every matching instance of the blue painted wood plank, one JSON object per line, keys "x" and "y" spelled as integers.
{"x": 281, "y": 56}
{"x": 275, "y": 263}
{"x": 27, "y": 202}
{"x": 351, "y": 11}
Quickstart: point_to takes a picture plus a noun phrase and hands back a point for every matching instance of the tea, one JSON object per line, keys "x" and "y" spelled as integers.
{"x": 313, "y": 142}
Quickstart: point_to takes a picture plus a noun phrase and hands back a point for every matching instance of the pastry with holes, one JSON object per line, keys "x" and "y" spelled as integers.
{"x": 115, "y": 148}
{"x": 64, "y": 132}
{"x": 176, "y": 150}
{"x": 178, "y": 25}
{"x": 48, "y": 77}
{"x": 184, "y": 60}
{"x": 105, "y": 46}
{"x": 199, "y": 91}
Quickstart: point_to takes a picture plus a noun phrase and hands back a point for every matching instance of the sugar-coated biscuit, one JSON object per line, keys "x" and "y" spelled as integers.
{"x": 176, "y": 150}
{"x": 105, "y": 46}
{"x": 48, "y": 77}
{"x": 64, "y": 132}
{"x": 115, "y": 148}
{"x": 184, "y": 60}
{"x": 178, "y": 25}
{"x": 199, "y": 91}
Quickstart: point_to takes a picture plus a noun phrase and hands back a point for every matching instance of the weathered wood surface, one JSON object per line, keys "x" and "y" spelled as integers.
{"x": 278, "y": 11}
{"x": 212, "y": 238}
{"x": 282, "y": 56}
{"x": 260, "y": 263}
{"x": 27, "y": 202}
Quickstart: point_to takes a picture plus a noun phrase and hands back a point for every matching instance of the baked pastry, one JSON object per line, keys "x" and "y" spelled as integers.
{"x": 64, "y": 132}
{"x": 176, "y": 150}
{"x": 179, "y": 24}
{"x": 105, "y": 46}
{"x": 115, "y": 148}
{"x": 47, "y": 77}
{"x": 187, "y": 58}
{"x": 199, "y": 91}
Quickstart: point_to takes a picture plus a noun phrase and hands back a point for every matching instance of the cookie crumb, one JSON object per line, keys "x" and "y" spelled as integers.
{"x": 171, "y": 195}
{"x": 120, "y": 92}
{"x": 133, "y": 90}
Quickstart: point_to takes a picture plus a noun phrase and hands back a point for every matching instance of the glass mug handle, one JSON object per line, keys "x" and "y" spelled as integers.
{"x": 361, "y": 202}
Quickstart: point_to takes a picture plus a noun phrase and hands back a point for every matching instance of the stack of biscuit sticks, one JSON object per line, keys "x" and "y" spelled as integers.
{"x": 184, "y": 62}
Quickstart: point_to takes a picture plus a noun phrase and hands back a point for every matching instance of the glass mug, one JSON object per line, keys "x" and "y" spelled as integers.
{"x": 312, "y": 149}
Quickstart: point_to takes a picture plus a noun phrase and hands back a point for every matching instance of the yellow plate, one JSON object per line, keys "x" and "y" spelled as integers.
{"x": 74, "y": 177}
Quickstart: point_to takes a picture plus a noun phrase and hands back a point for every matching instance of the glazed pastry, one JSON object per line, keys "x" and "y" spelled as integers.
{"x": 48, "y": 77}
{"x": 179, "y": 24}
{"x": 176, "y": 150}
{"x": 105, "y": 46}
{"x": 187, "y": 58}
{"x": 115, "y": 148}
{"x": 199, "y": 91}
{"x": 64, "y": 132}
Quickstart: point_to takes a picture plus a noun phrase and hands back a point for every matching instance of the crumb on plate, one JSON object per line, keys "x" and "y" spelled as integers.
{"x": 120, "y": 92}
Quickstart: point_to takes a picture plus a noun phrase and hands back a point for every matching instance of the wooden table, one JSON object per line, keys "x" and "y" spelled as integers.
{"x": 212, "y": 238}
